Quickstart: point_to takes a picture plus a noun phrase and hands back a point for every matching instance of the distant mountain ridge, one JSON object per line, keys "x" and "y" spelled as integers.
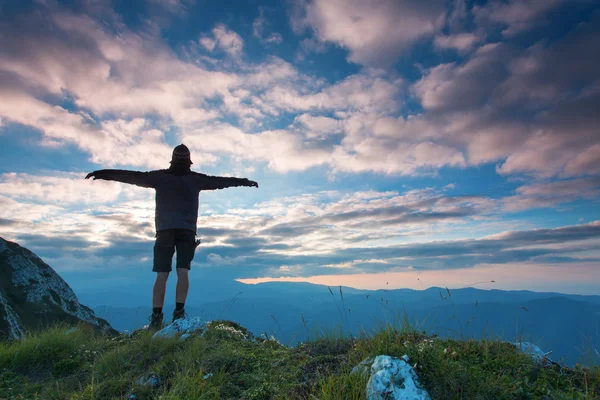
{"x": 33, "y": 295}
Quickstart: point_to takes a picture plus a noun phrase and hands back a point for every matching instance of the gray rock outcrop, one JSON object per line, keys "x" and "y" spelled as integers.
{"x": 33, "y": 295}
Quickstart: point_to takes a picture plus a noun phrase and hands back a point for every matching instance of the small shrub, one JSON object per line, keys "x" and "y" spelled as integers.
{"x": 66, "y": 367}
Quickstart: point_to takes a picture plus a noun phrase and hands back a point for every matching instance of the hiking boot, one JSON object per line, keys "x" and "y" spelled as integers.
{"x": 178, "y": 314}
{"x": 156, "y": 321}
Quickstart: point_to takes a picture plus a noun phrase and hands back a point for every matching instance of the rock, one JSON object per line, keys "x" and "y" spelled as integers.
{"x": 133, "y": 397}
{"x": 181, "y": 326}
{"x": 151, "y": 380}
{"x": 364, "y": 367}
{"x": 392, "y": 378}
{"x": 12, "y": 319}
{"x": 31, "y": 291}
{"x": 207, "y": 375}
{"x": 184, "y": 337}
{"x": 534, "y": 352}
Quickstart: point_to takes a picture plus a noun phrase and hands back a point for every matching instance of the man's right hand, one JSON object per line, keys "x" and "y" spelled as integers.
{"x": 95, "y": 175}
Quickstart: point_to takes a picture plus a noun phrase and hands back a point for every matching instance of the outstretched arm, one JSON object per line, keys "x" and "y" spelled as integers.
{"x": 207, "y": 182}
{"x": 120, "y": 175}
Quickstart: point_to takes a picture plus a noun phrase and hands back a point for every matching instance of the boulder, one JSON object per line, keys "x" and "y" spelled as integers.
{"x": 391, "y": 378}
{"x": 181, "y": 326}
{"x": 184, "y": 337}
{"x": 151, "y": 380}
{"x": 534, "y": 352}
{"x": 33, "y": 295}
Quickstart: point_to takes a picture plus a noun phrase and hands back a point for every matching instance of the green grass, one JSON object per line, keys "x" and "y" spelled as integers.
{"x": 54, "y": 364}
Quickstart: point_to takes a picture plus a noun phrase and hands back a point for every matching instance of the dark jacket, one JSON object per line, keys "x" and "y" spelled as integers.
{"x": 176, "y": 192}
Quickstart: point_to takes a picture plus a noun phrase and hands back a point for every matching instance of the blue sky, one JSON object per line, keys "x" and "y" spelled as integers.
{"x": 403, "y": 142}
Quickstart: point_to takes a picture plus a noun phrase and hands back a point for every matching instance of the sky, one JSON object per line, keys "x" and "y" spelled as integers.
{"x": 397, "y": 144}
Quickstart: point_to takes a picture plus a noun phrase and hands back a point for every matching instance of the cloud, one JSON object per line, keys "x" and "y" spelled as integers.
{"x": 64, "y": 57}
{"x": 121, "y": 88}
{"x": 119, "y": 95}
{"x": 450, "y": 87}
{"x": 315, "y": 233}
{"x": 178, "y": 7}
{"x": 261, "y": 30}
{"x": 559, "y": 244}
{"x": 224, "y": 39}
{"x": 516, "y": 15}
{"x": 368, "y": 92}
{"x": 475, "y": 105}
{"x": 462, "y": 42}
{"x": 208, "y": 43}
{"x": 551, "y": 194}
{"x": 319, "y": 126}
{"x": 282, "y": 150}
{"x": 7, "y": 222}
{"x": 372, "y": 216}
{"x": 60, "y": 189}
{"x": 375, "y": 33}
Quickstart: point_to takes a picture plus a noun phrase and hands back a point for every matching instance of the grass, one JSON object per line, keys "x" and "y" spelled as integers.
{"x": 227, "y": 362}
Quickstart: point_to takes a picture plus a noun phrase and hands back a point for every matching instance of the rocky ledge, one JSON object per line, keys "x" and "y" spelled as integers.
{"x": 33, "y": 295}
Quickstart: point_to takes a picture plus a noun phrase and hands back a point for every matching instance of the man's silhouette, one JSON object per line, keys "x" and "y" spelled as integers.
{"x": 176, "y": 213}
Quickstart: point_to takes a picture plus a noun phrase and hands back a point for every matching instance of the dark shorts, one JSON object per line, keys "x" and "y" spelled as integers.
{"x": 184, "y": 240}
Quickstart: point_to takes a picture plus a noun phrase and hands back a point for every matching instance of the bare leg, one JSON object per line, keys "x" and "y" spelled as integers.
{"x": 160, "y": 287}
{"x": 183, "y": 284}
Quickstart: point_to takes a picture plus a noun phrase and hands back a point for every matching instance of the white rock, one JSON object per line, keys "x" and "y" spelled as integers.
{"x": 181, "y": 326}
{"x": 533, "y": 351}
{"x": 364, "y": 367}
{"x": 394, "y": 378}
{"x": 184, "y": 337}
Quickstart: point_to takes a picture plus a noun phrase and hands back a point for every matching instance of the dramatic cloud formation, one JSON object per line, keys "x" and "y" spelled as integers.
{"x": 385, "y": 135}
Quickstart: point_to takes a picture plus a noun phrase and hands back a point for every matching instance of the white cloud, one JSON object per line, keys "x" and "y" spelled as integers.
{"x": 318, "y": 126}
{"x": 62, "y": 189}
{"x": 283, "y": 151}
{"x": 24, "y": 213}
{"x": 374, "y": 32}
{"x": 274, "y": 37}
{"x": 463, "y": 42}
{"x": 369, "y": 92}
{"x": 224, "y": 39}
{"x": 208, "y": 43}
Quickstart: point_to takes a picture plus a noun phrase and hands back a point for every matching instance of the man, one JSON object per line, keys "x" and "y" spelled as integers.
{"x": 176, "y": 214}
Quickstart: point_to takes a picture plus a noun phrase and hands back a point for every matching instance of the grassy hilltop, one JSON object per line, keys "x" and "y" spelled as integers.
{"x": 227, "y": 362}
